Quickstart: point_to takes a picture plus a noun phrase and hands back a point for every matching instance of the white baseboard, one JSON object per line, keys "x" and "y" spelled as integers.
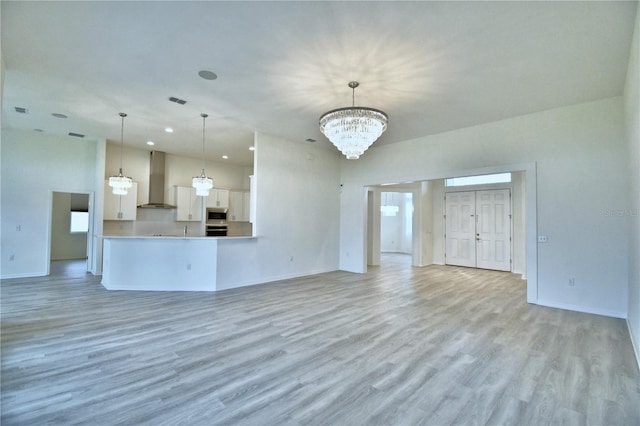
{"x": 580, "y": 308}
{"x": 23, "y": 275}
{"x": 634, "y": 343}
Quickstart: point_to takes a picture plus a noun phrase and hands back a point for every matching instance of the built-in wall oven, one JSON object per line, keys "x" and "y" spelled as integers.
{"x": 216, "y": 224}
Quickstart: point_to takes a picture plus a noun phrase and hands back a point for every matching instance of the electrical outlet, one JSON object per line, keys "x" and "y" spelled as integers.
{"x": 572, "y": 282}
{"x": 291, "y": 259}
{"x": 542, "y": 239}
{"x": 19, "y": 228}
{"x": 12, "y": 257}
{"x": 188, "y": 266}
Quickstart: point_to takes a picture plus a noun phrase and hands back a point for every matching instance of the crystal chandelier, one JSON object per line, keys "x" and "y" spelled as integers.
{"x": 120, "y": 184}
{"x": 353, "y": 129}
{"x": 202, "y": 183}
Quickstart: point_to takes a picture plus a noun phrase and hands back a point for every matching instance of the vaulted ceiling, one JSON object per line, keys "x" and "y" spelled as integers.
{"x": 431, "y": 66}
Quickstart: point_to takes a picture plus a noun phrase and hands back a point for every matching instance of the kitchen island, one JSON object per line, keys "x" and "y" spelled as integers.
{"x": 161, "y": 263}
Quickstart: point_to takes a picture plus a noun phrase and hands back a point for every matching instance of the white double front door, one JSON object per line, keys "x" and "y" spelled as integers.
{"x": 478, "y": 229}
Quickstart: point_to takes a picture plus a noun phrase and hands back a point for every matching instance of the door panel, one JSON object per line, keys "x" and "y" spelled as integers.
{"x": 481, "y": 240}
{"x": 460, "y": 229}
{"x": 494, "y": 230}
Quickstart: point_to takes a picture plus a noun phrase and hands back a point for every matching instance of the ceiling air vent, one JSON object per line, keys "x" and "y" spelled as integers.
{"x": 178, "y": 101}
{"x": 310, "y": 140}
{"x": 21, "y": 110}
{"x": 77, "y": 135}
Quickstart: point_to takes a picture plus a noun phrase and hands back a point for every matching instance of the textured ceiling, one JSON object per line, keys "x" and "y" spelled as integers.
{"x": 431, "y": 66}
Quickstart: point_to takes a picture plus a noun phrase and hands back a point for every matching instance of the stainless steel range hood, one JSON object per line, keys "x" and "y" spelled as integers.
{"x": 156, "y": 182}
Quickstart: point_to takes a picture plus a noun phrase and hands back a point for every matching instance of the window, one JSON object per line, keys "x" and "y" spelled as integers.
{"x": 79, "y": 222}
{"x": 478, "y": 180}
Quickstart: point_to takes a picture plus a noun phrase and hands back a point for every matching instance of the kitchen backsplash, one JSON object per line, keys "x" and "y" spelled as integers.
{"x": 153, "y": 222}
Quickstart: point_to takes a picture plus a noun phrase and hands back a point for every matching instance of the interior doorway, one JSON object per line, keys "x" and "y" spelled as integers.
{"x": 70, "y": 230}
{"x": 478, "y": 229}
{"x": 396, "y": 222}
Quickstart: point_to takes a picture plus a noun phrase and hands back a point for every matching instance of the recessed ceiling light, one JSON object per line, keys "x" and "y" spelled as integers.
{"x": 168, "y": 129}
{"x": 58, "y": 115}
{"x": 225, "y": 157}
{"x": 252, "y": 148}
{"x": 150, "y": 143}
{"x": 208, "y": 75}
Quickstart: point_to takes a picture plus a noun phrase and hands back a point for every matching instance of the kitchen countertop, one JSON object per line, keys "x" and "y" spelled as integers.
{"x": 175, "y": 237}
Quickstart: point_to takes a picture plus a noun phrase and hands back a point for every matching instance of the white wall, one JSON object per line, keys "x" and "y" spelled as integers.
{"x": 426, "y": 221}
{"x": 34, "y": 165}
{"x": 297, "y": 207}
{"x": 580, "y": 154}
{"x": 632, "y": 124}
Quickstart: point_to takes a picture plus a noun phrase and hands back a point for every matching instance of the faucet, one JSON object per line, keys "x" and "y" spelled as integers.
{"x": 186, "y": 227}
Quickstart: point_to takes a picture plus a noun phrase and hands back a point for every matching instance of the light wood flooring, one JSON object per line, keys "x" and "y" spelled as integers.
{"x": 396, "y": 346}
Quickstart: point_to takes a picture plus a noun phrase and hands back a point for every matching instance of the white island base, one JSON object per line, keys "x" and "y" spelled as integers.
{"x": 160, "y": 263}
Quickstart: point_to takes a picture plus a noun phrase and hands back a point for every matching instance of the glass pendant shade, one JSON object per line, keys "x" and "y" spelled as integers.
{"x": 202, "y": 183}
{"x": 120, "y": 183}
{"x": 353, "y": 129}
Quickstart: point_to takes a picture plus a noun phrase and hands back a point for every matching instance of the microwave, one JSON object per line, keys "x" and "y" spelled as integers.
{"x": 216, "y": 215}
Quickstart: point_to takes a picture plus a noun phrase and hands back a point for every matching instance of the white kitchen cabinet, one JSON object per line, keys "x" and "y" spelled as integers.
{"x": 218, "y": 198}
{"x": 238, "y": 206}
{"x": 188, "y": 204}
{"x": 120, "y": 207}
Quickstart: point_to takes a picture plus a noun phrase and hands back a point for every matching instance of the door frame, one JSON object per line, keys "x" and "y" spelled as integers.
{"x": 529, "y": 171}
{"x": 498, "y": 187}
{"x": 91, "y": 242}
{"x": 373, "y": 222}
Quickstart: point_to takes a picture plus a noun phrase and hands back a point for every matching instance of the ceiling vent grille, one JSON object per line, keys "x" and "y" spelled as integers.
{"x": 21, "y": 110}
{"x": 77, "y": 135}
{"x": 177, "y": 100}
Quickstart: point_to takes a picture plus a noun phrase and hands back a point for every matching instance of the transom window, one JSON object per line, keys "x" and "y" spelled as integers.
{"x": 478, "y": 180}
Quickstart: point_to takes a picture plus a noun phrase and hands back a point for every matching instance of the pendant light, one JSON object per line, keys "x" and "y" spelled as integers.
{"x": 120, "y": 183}
{"x": 202, "y": 183}
{"x": 353, "y": 129}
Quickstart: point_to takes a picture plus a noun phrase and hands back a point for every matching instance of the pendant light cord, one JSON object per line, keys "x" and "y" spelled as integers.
{"x": 204, "y": 119}
{"x": 122, "y": 115}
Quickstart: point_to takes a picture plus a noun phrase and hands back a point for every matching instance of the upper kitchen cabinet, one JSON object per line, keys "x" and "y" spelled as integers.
{"x": 188, "y": 204}
{"x": 120, "y": 207}
{"x": 238, "y": 206}
{"x": 218, "y": 198}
